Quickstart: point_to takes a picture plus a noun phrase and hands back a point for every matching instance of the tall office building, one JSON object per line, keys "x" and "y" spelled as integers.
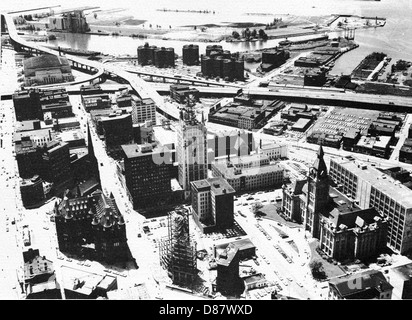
{"x": 191, "y": 147}
{"x": 370, "y": 187}
{"x": 147, "y": 181}
{"x": 212, "y": 204}
{"x": 56, "y": 162}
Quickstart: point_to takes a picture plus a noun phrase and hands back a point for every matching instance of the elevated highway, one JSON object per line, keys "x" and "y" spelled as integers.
{"x": 143, "y": 89}
{"x": 146, "y": 90}
{"x": 336, "y": 98}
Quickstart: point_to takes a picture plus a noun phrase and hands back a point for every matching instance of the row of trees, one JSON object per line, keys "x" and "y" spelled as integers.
{"x": 250, "y": 34}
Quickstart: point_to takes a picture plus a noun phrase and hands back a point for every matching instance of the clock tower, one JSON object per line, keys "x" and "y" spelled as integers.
{"x": 317, "y": 198}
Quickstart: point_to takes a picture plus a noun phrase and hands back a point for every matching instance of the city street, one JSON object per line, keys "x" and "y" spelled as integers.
{"x": 288, "y": 274}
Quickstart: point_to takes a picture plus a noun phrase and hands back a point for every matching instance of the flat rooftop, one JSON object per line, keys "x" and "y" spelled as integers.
{"x": 383, "y": 182}
{"x": 88, "y": 280}
{"x": 218, "y": 185}
{"x": 138, "y": 150}
{"x": 371, "y": 142}
{"x": 229, "y": 173}
{"x": 165, "y": 136}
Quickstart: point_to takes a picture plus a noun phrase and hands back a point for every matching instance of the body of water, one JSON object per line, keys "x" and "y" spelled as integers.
{"x": 393, "y": 38}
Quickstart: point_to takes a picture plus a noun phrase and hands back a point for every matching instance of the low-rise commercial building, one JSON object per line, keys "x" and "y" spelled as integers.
{"x": 375, "y": 146}
{"x": 249, "y": 172}
{"x": 302, "y": 125}
{"x": 369, "y": 284}
{"x": 39, "y": 280}
{"x": 180, "y": 93}
{"x": 246, "y": 248}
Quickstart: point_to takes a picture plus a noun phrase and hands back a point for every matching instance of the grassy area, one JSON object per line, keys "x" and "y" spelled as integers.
{"x": 269, "y": 212}
{"x": 331, "y": 270}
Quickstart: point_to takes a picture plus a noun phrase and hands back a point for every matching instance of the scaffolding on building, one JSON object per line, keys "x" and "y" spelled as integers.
{"x": 178, "y": 249}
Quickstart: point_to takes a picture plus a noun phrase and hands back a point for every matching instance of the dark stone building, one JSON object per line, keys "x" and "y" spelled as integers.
{"x": 93, "y": 226}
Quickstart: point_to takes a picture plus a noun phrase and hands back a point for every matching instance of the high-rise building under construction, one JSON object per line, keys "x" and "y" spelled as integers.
{"x": 178, "y": 250}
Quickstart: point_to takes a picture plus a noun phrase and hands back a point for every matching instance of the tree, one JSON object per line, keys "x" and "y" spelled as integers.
{"x": 247, "y": 33}
{"x": 262, "y": 34}
{"x": 318, "y": 272}
{"x": 95, "y": 15}
{"x": 256, "y": 208}
{"x": 235, "y": 34}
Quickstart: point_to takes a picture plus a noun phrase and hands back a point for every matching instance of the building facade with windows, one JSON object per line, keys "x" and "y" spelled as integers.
{"x": 212, "y": 204}
{"x": 147, "y": 180}
{"x": 249, "y": 172}
{"x": 92, "y": 225}
{"x": 46, "y": 69}
{"x": 191, "y": 148}
{"x": 370, "y": 187}
{"x": 143, "y": 110}
{"x": 345, "y": 230}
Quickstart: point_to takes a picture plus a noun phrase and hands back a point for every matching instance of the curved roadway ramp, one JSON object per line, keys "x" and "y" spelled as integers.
{"x": 143, "y": 89}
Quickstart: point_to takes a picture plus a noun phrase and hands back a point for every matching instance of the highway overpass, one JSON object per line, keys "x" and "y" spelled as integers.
{"x": 143, "y": 89}
{"x": 335, "y": 98}
{"x": 146, "y": 90}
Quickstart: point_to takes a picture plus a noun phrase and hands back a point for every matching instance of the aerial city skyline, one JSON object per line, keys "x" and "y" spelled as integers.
{"x": 193, "y": 152}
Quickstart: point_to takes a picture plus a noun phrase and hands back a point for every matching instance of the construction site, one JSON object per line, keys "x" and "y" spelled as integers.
{"x": 178, "y": 249}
